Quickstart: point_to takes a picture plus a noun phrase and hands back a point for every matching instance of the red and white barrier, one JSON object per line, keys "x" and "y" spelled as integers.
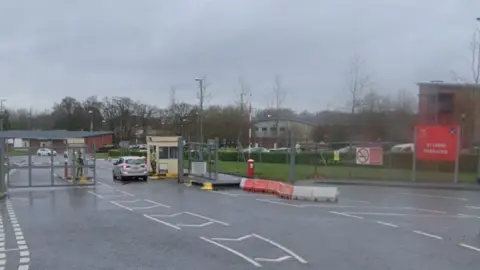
{"x": 288, "y": 191}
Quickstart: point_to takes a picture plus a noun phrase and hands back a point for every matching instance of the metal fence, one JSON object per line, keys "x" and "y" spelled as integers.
{"x": 47, "y": 167}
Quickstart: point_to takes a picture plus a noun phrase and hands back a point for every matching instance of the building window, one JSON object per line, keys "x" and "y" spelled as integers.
{"x": 273, "y": 129}
{"x": 163, "y": 153}
{"x": 441, "y": 103}
{"x": 264, "y": 129}
{"x": 282, "y": 129}
{"x": 173, "y": 152}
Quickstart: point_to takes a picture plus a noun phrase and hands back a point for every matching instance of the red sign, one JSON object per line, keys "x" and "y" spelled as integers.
{"x": 376, "y": 156}
{"x": 437, "y": 142}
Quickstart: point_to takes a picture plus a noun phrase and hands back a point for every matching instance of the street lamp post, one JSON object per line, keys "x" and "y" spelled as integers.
{"x": 91, "y": 120}
{"x": 200, "y": 113}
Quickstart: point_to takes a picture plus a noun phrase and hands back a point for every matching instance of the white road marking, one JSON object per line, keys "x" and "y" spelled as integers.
{"x": 432, "y": 196}
{"x": 195, "y": 225}
{"x": 470, "y": 247}
{"x": 207, "y": 218}
{"x": 233, "y": 239}
{"x": 281, "y": 259}
{"x": 21, "y": 242}
{"x": 22, "y": 247}
{"x": 232, "y": 251}
{"x": 23, "y": 267}
{"x": 24, "y": 253}
{"x": 162, "y": 222}
{"x": 473, "y": 207}
{"x": 426, "y": 210}
{"x": 133, "y": 201}
{"x": 106, "y": 185}
{"x": 170, "y": 215}
{"x": 467, "y": 216}
{"x": 387, "y": 224}
{"x": 126, "y": 193}
{"x": 345, "y": 214}
{"x": 3, "y": 262}
{"x": 2, "y": 255}
{"x": 406, "y": 215}
{"x": 157, "y": 203}
{"x": 122, "y": 206}
{"x": 428, "y": 235}
{"x": 294, "y": 255}
{"x": 352, "y": 200}
{"x": 24, "y": 260}
{"x": 95, "y": 194}
{"x": 225, "y": 193}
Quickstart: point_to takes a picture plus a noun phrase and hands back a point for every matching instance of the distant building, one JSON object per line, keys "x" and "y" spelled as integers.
{"x": 269, "y": 131}
{"x": 56, "y": 139}
{"x": 451, "y": 104}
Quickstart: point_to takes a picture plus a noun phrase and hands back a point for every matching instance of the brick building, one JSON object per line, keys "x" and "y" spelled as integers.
{"x": 57, "y": 139}
{"x": 451, "y": 104}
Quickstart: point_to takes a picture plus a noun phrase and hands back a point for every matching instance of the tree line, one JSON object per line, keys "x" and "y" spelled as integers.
{"x": 376, "y": 118}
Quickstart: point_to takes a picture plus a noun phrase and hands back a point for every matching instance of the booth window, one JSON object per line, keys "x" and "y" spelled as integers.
{"x": 163, "y": 152}
{"x": 173, "y": 152}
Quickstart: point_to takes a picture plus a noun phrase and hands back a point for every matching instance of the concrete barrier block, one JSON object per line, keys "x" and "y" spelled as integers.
{"x": 326, "y": 194}
{"x": 242, "y": 183}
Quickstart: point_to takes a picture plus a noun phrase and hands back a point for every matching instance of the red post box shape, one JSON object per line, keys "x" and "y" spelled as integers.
{"x": 250, "y": 168}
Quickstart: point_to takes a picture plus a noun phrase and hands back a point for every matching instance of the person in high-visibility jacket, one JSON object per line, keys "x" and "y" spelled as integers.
{"x": 153, "y": 160}
{"x": 79, "y": 165}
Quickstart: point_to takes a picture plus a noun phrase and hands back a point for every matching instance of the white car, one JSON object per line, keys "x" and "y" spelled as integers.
{"x": 130, "y": 167}
{"x": 46, "y": 152}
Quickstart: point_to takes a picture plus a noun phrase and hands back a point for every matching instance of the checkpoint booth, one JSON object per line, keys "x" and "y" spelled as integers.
{"x": 76, "y": 147}
{"x": 162, "y": 156}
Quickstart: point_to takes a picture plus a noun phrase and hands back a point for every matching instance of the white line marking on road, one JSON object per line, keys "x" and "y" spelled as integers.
{"x": 352, "y": 200}
{"x": 207, "y": 218}
{"x": 426, "y": 210}
{"x": 106, "y": 185}
{"x": 126, "y": 193}
{"x": 473, "y": 207}
{"x": 122, "y": 206}
{"x": 162, "y": 222}
{"x": 428, "y": 235}
{"x": 225, "y": 193}
{"x": 432, "y": 196}
{"x": 95, "y": 194}
{"x": 195, "y": 225}
{"x": 2, "y": 255}
{"x": 280, "y": 203}
{"x": 387, "y": 224}
{"x": 22, "y": 242}
{"x": 23, "y": 267}
{"x": 281, "y": 259}
{"x": 24, "y": 260}
{"x": 22, "y": 247}
{"x": 467, "y": 216}
{"x": 233, "y": 239}
{"x": 24, "y": 253}
{"x": 288, "y": 251}
{"x": 170, "y": 215}
{"x": 470, "y": 247}
{"x": 406, "y": 215}
{"x": 232, "y": 251}
{"x": 133, "y": 201}
{"x": 157, "y": 203}
{"x": 345, "y": 214}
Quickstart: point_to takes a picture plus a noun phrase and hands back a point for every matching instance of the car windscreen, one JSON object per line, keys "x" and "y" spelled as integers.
{"x": 136, "y": 161}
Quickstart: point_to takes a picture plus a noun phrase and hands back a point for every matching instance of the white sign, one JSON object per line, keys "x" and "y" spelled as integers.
{"x": 369, "y": 156}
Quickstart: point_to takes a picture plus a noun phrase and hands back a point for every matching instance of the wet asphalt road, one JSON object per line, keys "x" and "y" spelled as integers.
{"x": 163, "y": 225}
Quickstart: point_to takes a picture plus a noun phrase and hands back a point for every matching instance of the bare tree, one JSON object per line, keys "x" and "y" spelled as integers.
{"x": 474, "y": 61}
{"x": 358, "y": 82}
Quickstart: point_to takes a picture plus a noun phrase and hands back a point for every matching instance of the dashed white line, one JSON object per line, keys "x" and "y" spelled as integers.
{"x": 432, "y": 196}
{"x": 122, "y": 206}
{"x": 95, "y": 194}
{"x": 473, "y": 207}
{"x": 225, "y": 193}
{"x": 426, "y": 210}
{"x": 162, "y": 222}
{"x": 126, "y": 193}
{"x": 428, "y": 235}
{"x": 23, "y": 267}
{"x": 470, "y": 247}
{"x": 232, "y": 251}
{"x": 207, "y": 218}
{"x": 157, "y": 203}
{"x": 345, "y": 214}
{"x": 387, "y": 224}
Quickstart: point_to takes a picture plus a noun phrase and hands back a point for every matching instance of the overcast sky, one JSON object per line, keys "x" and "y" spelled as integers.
{"x": 53, "y": 48}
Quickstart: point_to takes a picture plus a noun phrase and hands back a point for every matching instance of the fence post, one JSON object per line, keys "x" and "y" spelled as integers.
{"x": 180, "y": 160}
{"x": 292, "y": 160}
{"x": 414, "y": 155}
{"x": 3, "y": 171}
{"x": 457, "y": 156}
{"x": 216, "y": 158}
{"x": 94, "y": 152}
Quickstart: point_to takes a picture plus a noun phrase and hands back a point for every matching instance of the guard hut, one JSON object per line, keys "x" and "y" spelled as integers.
{"x": 76, "y": 146}
{"x": 166, "y": 156}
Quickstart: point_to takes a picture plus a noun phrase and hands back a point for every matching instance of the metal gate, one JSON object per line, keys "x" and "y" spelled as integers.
{"x": 202, "y": 159}
{"x": 48, "y": 166}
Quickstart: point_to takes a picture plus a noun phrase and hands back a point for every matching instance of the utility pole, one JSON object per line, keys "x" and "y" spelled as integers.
{"x": 200, "y": 113}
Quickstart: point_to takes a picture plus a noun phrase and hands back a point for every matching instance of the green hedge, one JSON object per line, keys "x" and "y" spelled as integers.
{"x": 468, "y": 162}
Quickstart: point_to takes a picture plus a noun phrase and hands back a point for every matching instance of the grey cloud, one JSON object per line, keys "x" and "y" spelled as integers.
{"x": 53, "y": 48}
